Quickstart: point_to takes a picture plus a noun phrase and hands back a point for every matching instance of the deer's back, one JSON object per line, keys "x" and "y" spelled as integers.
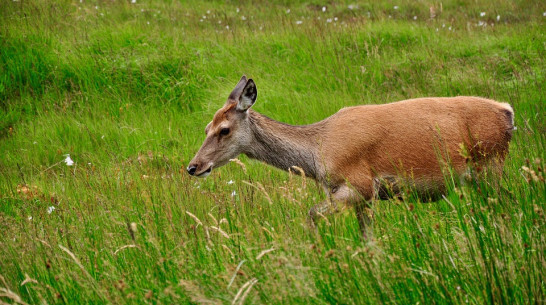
{"x": 415, "y": 137}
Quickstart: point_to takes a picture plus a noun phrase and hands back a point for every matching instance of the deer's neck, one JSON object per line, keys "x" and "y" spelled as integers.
{"x": 284, "y": 146}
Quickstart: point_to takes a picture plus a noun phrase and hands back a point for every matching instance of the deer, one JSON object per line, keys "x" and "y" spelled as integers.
{"x": 363, "y": 153}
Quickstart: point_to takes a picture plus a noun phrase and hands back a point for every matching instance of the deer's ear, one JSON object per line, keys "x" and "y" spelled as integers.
{"x": 248, "y": 96}
{"x": 236, "y": 93}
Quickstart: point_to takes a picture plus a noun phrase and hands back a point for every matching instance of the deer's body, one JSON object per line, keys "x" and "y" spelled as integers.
{"x": 351, "y": 152}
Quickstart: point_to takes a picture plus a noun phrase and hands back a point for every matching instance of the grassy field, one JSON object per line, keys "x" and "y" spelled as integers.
{"x": 126, "y": 90}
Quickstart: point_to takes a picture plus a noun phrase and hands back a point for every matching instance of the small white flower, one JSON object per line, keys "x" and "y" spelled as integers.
{"x": 208, "y": 12}
{"x": 96, "y": 7}
{"x": 396, "y": 7}
{"x": 233, "y": 194}
{"x": 243, "y": 18}
{"x": 50, "y": 209}
{"x": 299, "y": 22}
{"x": 204, "y": 17}
{"x": 352, "y": 6}
{"x": 288, "y": 11}
{"x": 449, "y": 28}
{"x": 227, "y": 27}
{"x": 498, "y": 17}
{"x": 335, "y": 18}
{"x": 482, "y": 14}
{"x": 238, "y": 10}
{"x": 34, "y": 142}
{"x": 481, "y": 23}
{"x": 68, "y": 161}
{"x": 414, "y": 17}
{"x": 133, "y": 1}
{"x": 329, "y": 20}
{"x": 324, "y": 8}
{"x": 443, "y": 25}
{"x": 544, "y": 14}
{"x": 148, "y": 22}
{"x": 30, "y": 218}
{"x": 230, "y": 182}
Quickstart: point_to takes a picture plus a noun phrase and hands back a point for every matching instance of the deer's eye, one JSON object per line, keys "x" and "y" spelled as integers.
{"x": 224, "y": 131}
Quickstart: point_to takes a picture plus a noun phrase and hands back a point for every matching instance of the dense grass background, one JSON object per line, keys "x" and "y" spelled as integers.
{"x": 127, "y": 88}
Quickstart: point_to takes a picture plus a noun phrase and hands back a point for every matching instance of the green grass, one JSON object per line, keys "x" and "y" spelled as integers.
{"x": 127, "y": 89}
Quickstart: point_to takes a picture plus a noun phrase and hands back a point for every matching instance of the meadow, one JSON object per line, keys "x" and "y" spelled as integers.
{"x": 125, "y": 89}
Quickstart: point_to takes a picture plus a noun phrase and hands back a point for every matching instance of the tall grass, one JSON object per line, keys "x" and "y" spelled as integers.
{"x": 127, "y": 88}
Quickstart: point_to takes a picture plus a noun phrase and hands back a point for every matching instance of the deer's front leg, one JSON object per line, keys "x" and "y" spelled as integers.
{"x": 338, "y": 197}
{"x": 345, "y": 195}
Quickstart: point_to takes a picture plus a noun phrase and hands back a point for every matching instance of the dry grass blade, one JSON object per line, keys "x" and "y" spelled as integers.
{"x": 7, "y": 293}
{"x": 241, "y": 164}
{"x": 261, "y": 188}
{"x": 243, "y": 292}
{"x": 264, "y": 252}
{"x": 222, "y": 232}
{"x": 194, "y": 218}
{"x": 302, "y": 173}
{"x": 124, "y": 247}
{"x": 28, "y": 279}
{"x": 74, "y": 258}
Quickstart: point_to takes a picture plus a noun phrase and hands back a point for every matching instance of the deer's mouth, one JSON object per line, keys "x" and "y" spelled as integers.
{"x": 204, "y": 173}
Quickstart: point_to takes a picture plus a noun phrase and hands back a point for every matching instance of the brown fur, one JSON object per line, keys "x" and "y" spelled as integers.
{"x": 352, "y": 151}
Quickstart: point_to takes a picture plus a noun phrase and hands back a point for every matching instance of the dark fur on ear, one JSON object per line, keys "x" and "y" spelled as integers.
{"x": 248, "y": 97}
{"x": 236, "y": 93}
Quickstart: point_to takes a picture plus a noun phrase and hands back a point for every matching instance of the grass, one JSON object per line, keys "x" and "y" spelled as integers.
{"x": 127, "y": 89}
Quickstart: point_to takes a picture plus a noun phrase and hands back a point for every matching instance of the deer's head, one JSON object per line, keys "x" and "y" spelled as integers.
{"x": 228, "y": 133}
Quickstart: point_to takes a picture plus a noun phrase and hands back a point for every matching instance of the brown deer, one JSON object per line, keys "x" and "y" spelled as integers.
{"x": 361, "y": 153}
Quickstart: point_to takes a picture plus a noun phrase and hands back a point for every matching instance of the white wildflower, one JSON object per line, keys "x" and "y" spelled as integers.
{"x": 324, "y": 8}
{"x": 238, "y": 10}
{"x": 50, "y": 209}
{"x": 482, "y": 14}
{"x": 227, "y": 27}
{"x": 233, "y": 194}
{"x": 299, "y": 22}
{"x": 329, "y": 20}
{"x": 414, "y": 17}
{"x": 68, "y": 160}
{"x": 498, "y": 17}
{"x": 352, "y": 6}
{"x": 208, "y": 12}
{"x": 288, "y": 11}
{"x": 230, "y": 182}
{"x": 243, "y": 18}
{"x": 30, "y": 218}
{"x": 396, "y": 7}
{"x": 335, "y": 18}
{"x": 133, "y": 1}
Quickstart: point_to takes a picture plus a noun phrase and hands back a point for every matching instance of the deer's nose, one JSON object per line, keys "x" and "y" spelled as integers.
{"x": 191, "y": 169}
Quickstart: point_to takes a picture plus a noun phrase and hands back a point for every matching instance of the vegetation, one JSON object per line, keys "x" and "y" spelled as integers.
{"x": 126, "y": 89}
